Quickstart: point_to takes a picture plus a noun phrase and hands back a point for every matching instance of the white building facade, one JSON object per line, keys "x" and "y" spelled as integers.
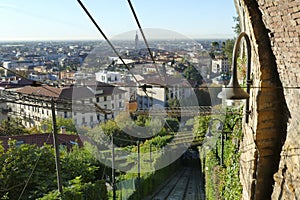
{"x": 220, "y": 66}
{"x": 87, "y": 106}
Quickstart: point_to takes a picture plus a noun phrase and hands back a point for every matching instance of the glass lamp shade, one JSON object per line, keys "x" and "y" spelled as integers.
{"x": 233, "y": 90}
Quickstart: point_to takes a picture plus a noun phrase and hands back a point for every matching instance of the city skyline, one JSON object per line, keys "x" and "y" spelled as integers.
{"x": 65, "y": 20}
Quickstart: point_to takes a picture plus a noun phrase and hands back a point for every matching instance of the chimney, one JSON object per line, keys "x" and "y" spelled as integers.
{"x": 63, "y": 129}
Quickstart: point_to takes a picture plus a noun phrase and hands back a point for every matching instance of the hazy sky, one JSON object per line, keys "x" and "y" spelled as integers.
{"x": 65, "y": 19}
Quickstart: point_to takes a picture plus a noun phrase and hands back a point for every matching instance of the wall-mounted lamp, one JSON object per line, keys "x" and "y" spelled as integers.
{"x": 233, "y": 90}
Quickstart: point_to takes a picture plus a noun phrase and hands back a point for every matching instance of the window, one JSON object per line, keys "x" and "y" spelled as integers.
{"x": 120, "y": 104}
{"x": 65, "y": 114}
{"x": 105, "y": 98}
{"x": 105, "y": 106}
{"x": 75, "y": 113}
{"x": 83, "y": 119}
{"x": 97, "y": 99}
{"x": 112, "y": 106}
{"x": 105, "y": 116}
{"x": 98, "y": 117}
{"x": 120, "y": 96}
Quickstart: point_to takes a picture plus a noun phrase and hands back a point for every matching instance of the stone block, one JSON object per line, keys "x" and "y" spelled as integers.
{"x": 296, "y": 15}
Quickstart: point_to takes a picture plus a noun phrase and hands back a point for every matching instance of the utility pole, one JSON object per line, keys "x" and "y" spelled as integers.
{"x": 139, "y": 160}
{"x": 222, "y": 148}
{"x": 150, "y": 153}
{"x": 56, "y": 148}
{"x": 139, "y": 168}
{"x": 113, "y": 167}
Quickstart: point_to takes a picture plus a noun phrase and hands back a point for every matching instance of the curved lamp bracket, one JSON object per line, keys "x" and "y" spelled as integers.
{"x": 233, "y": 90}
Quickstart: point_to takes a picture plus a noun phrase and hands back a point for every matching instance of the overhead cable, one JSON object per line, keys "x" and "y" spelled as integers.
{"x": 110, "y": 44}
{"x": 144, "y": 37}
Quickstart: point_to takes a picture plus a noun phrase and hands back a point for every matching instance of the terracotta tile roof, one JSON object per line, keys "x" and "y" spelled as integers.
{"x": 76, "y": 93}
{"x": 71, "y": 93}
{"x": 169, "y": 81}
{"x": 45, "y": 91}
{"x": 108, "y": 89}
{"x": 40, "y": 139}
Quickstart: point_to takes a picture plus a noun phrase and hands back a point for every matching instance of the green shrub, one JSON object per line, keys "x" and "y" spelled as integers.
{"x": 80, "y": 191}
{"x": 222, "y": 182}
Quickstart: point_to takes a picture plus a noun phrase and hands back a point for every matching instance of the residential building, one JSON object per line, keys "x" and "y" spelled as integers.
{"x": 19, "y": 65}
{"x": 3, "y": 110}
{"x": 86, "y": 105}
{"x": 159, "y": 91}
{"x": 108, "y": 76}
{"x": 220, "y": 66}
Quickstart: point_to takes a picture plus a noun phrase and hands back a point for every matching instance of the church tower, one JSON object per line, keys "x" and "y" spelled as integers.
{"x": 136, "y": 46}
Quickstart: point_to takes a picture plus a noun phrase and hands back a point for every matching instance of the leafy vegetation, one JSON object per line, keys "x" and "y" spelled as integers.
{"x": 78, "y": 190}
{"x": 222, "y": 181}
{"x": 191, "y": 74}
{"x": 173, "y": 103}
{"x": 28, "y": 172}
{"x": 68, "y": 123}
{"x": 227, "y": 49}
{"x": 12, "y": 126}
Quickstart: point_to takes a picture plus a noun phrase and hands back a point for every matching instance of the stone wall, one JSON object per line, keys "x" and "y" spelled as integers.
{"x": 270, "y": 163}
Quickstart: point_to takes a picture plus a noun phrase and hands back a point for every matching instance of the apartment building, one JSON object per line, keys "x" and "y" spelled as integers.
{"x": 220, "y": 66}
{"x": 159, "y": 91}
{"x": 86, "y": 105}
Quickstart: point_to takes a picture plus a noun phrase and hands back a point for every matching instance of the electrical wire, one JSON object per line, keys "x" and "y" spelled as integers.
{"x": 13, "y": 72}
{"x": 35, "y": 83}
{"x": 144, "y": 37}
{"x": 110, "y": 44}
{"x": 32, "y": 171}
{"x": 214, "y": 87}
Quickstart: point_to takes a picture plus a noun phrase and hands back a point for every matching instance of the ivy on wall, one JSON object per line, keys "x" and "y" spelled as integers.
{"x": 222, "y": 181}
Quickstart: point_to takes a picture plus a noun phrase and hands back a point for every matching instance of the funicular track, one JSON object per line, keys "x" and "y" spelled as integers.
{"x": 184, "y": 185}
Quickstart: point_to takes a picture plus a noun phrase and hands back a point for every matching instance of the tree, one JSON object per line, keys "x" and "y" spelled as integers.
{"x": 16, "y": 166}
{"x": 141, "y": 120}
{"x": 109, "y": 127}
{"x": 36, "y": 167}
{"x": 60, "y": 121}
{"x": 12, "y": 126}
{"x": 173, "y": 103}
{"x": 237, "y": 27}
{"x": 191, "y": 73}
{"x": 215, "y": 45}
{"x": 227, "y": 49}
{"x": 104, "y": 131}
{"x": 80, "y": 190}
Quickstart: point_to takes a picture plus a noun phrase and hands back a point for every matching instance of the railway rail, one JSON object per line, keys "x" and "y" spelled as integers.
{"x": 184, "y": 185}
